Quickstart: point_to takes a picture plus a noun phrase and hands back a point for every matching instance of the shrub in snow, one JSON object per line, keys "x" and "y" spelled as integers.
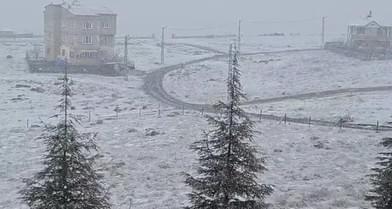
{"x": 152, "y": 132}
{"x": 38, "y": 89}
{"x": 132, "y": 130}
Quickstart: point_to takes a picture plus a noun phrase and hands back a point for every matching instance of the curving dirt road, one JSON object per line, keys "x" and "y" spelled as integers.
{"x": 153, "y": 86}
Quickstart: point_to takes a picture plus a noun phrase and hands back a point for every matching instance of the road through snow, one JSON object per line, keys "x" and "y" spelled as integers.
{"x": 153, "y": 86}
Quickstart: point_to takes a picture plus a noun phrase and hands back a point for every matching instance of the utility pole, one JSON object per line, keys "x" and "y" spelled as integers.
{"x": 127, "y": 37}
{"x": 163, "y": 46}
{"x": 239, "y": 36}
{"x": 323, "y": 32}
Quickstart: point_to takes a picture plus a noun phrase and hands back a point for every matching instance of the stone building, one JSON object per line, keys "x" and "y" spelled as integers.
{"x": 83, "y": 36}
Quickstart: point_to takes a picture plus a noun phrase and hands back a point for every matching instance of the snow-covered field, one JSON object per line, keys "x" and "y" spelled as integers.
{"x": 260, "y": 43}
{"x": 146, "y": 54}
{"x": 145, "y": 155}
{"x": 361, "y": 108}
{"x": 288, "y": 74}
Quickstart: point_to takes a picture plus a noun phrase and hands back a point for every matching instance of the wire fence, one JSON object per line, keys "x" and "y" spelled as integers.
{"x": 143, "y": 113}
{"x": 261, "y": 115}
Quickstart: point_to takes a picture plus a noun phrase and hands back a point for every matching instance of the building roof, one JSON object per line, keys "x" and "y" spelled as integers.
{"x": 84, "y": 10}
{"x": 369, "y": 22}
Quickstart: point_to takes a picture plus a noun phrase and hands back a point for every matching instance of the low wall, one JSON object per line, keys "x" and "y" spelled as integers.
{"x": 42, "y": 66}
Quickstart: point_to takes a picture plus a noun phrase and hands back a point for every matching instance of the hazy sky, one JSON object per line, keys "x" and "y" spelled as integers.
{"x": 139, "y": 17}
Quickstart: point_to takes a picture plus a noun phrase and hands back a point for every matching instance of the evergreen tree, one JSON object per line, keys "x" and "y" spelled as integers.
{"x": 227, "y": 176}
{"x": 381, "y": 197}
{"x": 68, "y": 179}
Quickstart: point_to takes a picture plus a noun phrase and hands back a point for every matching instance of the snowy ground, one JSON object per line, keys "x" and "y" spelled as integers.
{"x": 362, "y": 108}
{"x": 260, "y": 43}
{"x": 146, "y": 54}
{"x": 288, "y": 74}
{"x": 145, "y": 155}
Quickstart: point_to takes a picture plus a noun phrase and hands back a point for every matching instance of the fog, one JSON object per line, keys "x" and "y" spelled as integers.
{"x": 141, "y": 17}
{"x": 304, "y": 104}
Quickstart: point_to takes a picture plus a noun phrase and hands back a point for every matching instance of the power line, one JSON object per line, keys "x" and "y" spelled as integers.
{"x": 282, "y": 21}
{"x": 233, "y": 25}
{"x": 223, "y": 26}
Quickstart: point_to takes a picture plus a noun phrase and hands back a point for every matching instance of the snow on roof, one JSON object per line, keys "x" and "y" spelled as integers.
{"x": 366, "y": 21}
{"x": 78, "y": 9}
{"x": 82, "y": 10}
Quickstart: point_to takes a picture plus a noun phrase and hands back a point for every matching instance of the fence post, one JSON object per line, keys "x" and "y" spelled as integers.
{"x": 310, "y": 121}
{"x": 377, "y": 127}
{"x": 130, "y": 203}
{"x": 159, "y": 111}
{"x": 202, "y": 111}
{"x": 27, "y": 123}
{"x": 261, "y": 114}
{"x": 341, "y": 123}
{"x": 285, "y": 118}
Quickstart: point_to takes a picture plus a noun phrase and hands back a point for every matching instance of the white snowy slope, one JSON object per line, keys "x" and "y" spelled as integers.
{"x": 254, "y": 43}
{"x": 362, "y": 108}
{"x": 289, "y": 74}
{"x": 146, "y": 54}
{"x": 144, "y": 155}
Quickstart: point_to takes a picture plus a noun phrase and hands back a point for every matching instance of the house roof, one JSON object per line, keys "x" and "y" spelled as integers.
{"x": 84, "y": 10}
{"x": 368, "y": 22}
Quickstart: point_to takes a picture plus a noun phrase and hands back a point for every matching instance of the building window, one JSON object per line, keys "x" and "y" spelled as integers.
{"x": 88, "y": 25}
{"x": 106, "y": 40}
{"x": 88, "y": 54}
{"x": 106, "y": 25}
{"x": 88, "y": 40}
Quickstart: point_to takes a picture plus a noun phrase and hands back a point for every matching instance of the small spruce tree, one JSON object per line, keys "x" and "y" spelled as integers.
{"x": 381, "y": 180}
{"x": 68, "y": 179}
{"x": 227, "y": 176}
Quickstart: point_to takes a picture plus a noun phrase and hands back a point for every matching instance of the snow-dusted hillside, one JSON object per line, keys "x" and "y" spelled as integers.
{"x": 365, "y": 108}
{"x": 146, "y": 54}
{"x": 293, "y": 73}
{"x": 260, "y": 43}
